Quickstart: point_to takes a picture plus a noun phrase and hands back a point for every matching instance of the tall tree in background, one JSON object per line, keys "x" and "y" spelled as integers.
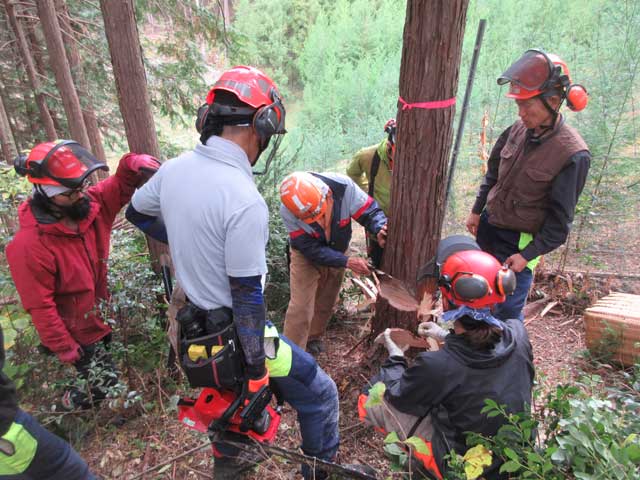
{"x": 77, "y": 71}
{"x": 6, "y": 137}
{"x": 131, "y": 81}
{"x": 62, "y": 71}
{"x": 431, "y": 54}
{"x": 29, "y": 66}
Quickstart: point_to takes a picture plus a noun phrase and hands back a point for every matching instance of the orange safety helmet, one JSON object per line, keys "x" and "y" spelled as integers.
{"x": 538, "y": 73}
{"x": 467, "y": 275}
{"x": 305, "y": 196}
{"x": 63, "y": 162}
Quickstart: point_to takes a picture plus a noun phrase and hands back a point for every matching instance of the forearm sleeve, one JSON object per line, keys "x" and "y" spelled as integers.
{"x": 249, "y": 316}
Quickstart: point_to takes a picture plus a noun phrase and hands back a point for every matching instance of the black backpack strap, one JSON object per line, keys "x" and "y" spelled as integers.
{"x": 375, "y": 165}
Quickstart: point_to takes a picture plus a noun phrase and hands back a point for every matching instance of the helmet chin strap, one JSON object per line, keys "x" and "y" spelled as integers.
{"x": 554, "y": 115}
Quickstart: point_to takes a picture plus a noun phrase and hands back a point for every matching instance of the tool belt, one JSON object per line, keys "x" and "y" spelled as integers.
{"x": 214, "y": 358}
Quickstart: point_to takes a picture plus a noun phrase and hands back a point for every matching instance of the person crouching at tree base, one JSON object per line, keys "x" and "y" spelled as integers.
{"x": 58, "y": 258}
{"x": 439, "y": 397}
{"x": 371, "y": 168}
{"x": 317, "y": 210}
{"x": 535, "y": 173}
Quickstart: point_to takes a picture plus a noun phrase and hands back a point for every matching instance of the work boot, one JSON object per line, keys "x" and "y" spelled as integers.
{"x": 315, "y": 346}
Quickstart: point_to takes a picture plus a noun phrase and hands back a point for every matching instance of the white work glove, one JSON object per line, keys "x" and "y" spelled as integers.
{"x": 433, "y": 330}
{"x": 390, "y": 345}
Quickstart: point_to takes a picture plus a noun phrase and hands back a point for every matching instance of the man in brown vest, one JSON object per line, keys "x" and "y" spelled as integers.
{"x": 536, "y": 172}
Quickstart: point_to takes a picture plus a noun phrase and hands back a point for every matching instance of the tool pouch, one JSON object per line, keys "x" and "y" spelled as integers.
{"x": 220, "y": 360}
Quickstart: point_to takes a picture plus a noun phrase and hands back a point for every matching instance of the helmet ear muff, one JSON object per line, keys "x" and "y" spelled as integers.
{"x": 505, "y": 281}
{"x": 269, "y": 120}
{"x": 20, "y": 165}
{"x": 201, "y": 117}
{"x": 470, "y": 286}
{"x": 577, "y": 97}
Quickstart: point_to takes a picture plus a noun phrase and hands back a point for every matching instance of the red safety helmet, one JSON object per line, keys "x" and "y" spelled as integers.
{"x": 305, "y": 196}
{"x": 467, "y": 275}
{"x": 538, "y": 73}
{"x": 254, "y": 88}
{"x": 63, "y": 162}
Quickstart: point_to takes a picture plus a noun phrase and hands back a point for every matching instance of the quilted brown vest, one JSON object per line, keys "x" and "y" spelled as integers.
{"x": 520, "y": 198}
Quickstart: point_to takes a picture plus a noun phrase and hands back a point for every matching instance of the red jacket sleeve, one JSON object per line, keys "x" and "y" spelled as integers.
{"x": 115, "y": 192}
{"x": 34, "y": 272}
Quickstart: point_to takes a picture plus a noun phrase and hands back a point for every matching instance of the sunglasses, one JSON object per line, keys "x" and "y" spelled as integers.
{"x": 75, "y": 191}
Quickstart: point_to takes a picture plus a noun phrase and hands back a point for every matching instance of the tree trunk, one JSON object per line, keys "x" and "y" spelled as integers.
{"x": 41, "y": 70}
{"x": 131, "y": 83}
{"x": 88, "y": 112}
{"x": 60, "y": 66}
{"x": 431, "y": 52}
{"x": 4, "y": 93}
{"x": 27, "y": 60}
{"x": 6, "y": 138}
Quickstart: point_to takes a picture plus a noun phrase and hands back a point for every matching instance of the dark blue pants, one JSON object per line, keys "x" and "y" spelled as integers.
{"x": 502, "y": 243}
{"x": 318, "y": 410}
{"x": 54, "y": 458}
{"x": 316, "y": 403}
{"x": 513, "y": 305}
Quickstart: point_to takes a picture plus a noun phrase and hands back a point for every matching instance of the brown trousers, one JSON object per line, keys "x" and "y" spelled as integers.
{"x": 314, "y": 292}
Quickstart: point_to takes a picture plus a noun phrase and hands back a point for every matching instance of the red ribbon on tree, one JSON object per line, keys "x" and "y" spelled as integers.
{"x": 427, "y": 105}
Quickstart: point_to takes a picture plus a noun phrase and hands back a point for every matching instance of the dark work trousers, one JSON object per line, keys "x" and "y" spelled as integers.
{"x": 502, "y": 243}
{"x": 39, "y": 454}
{"x": 97, "y": 369}
{"x": 374, "y": 250}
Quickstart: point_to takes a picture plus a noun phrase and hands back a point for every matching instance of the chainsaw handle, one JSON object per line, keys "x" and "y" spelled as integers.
{"x": 221, "y": 424}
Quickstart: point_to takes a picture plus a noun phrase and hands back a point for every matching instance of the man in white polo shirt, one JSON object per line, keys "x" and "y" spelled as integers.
{"x": 216, "y": 224}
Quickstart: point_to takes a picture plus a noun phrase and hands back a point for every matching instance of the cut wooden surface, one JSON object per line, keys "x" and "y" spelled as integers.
{"x": 396, "y": 293}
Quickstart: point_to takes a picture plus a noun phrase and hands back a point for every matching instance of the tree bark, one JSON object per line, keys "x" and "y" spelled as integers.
{"x": 41, "y": 70}
{"x": 75, "y": 63}
{"x": 131, "y": 81}
{"x": 9, "y": 150}
{"x": 432, "y": 47}
{"x": 60, "y": 66}
{"x": 27, "y": 60}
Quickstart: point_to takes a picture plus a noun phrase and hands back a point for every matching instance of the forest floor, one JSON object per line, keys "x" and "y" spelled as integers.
{"x": 156, "y": 438}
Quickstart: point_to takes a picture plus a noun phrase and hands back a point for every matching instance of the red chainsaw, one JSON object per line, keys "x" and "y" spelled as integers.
{"x": 216, "y": 411}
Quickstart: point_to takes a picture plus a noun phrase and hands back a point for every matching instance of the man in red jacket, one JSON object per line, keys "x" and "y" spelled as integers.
{"x": 58, "y": 257}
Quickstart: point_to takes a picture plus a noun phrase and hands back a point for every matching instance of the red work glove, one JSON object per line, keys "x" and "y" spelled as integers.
{"x": 145, "y": 166}
{"x": 70, "y": 356}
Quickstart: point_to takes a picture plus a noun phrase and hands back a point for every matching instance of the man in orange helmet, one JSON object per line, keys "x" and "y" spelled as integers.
{"x": 317, "y": 210}
{"x": 439, "y": 398}
{"x": 371, "y": 168}
{"x": 536, "y": 172}
{"x": 58, "y": 258}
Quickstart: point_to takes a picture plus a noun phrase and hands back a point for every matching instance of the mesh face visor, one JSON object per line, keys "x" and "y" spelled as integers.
{"x": 531, "y": 71}
{"x": 70, "y": 164}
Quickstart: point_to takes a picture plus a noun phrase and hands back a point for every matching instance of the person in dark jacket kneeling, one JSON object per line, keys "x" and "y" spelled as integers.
{"x": 439, "y": 397}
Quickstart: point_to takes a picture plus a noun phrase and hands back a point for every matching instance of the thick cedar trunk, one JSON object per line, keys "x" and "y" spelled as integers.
{"x": 60, "y": 66}
{"x": 27, "y": 60}
{"x": 131, "y": 83}
{"x": 431, "y": 52}
{"x": 88, "y": 112}
{"x": 6, "y": 138}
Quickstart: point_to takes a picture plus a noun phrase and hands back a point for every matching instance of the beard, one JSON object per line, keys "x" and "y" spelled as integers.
{"x": 78, "y": 211}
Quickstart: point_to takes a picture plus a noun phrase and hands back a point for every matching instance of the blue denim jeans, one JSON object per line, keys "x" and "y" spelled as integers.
{"x": 513, "y": 305}
{"x": 318, "y": 411}
{"x": 53, "y": 459}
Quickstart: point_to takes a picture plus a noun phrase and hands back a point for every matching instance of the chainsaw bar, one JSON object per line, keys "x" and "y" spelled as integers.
{"x": 313, "y": 462}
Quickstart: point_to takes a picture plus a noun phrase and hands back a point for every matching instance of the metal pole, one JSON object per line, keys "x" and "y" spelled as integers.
{"x": 465, "y": 107}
